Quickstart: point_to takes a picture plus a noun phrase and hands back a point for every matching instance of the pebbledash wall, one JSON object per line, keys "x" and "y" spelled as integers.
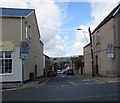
{"x": 17, "y": 28}
{"x": 107, "y": 32}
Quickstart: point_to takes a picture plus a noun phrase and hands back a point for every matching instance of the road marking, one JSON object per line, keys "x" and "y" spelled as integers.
{"x": 105, "y": 80}
{"x": 86, "y": 97}
{"x": 25, "y": 87}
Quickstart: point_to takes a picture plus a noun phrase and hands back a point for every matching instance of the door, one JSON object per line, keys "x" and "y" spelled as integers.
{"x": 96, "y": 66}
{"x": 35, "y": 71}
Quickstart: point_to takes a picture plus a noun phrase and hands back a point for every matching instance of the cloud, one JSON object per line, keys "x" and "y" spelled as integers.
{"x": 13, "y": 3}
{"x": 52, "y": 15}
{"x": 98, "y": 14}
{"x": 66, "y": 37}
{"x": 49, "y": 17}
{"x": 78, "y": 48}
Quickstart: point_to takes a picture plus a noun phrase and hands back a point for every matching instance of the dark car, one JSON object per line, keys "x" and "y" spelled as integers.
{"x": 69, "y": 72}
{"x": 51, "y": 73}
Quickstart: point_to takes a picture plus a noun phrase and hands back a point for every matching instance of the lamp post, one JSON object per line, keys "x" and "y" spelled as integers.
{"x": 83, "y": 33}
{"x": 91, "y": 49}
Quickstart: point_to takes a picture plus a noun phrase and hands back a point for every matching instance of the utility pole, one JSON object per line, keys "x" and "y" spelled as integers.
{"x": 91, "y": 52}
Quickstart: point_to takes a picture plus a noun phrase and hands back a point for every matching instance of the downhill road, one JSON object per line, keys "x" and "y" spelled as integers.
{"x": 66, "y": 88}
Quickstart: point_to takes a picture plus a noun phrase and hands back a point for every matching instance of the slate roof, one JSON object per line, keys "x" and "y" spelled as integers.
{"x": 13, "y": 12}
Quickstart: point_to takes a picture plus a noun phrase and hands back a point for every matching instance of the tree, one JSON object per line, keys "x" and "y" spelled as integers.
{"x": 79, "y": 64}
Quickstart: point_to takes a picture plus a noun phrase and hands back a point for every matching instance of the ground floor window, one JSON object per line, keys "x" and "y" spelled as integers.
{"x": 5, "y": 63}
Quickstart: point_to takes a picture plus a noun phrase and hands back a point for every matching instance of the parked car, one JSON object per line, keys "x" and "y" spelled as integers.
{"x": 63, "y": 71}
{"x": 69, "y": 72}
{"x": 51, "y": 73}
{"x": 59, "y": 71}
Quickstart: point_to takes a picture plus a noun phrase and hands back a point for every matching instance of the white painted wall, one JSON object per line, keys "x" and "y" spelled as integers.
{"x": 17, "y": 67}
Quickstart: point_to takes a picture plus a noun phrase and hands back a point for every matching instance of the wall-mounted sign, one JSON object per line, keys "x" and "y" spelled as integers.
{"x": 24, "y": 56}
{"x": 7, "y": 46}
{"x": 110, "y": 51}
{"x": 24, "y": 50}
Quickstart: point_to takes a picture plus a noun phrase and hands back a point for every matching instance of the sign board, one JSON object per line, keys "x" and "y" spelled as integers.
{"x": 24, "y": 56}
{"x": 24, "y": 50}
{"x": 7, "y": 46}
{"x": 109, "y": 48}
{"x": 110, "y": 51}
{"x": 24, "y": 47}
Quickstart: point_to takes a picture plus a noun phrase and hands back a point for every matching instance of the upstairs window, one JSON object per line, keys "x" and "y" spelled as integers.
{"x": 5, "y": 63}
{"x": 97, "y": 37}
{"x": 28, "y": 32}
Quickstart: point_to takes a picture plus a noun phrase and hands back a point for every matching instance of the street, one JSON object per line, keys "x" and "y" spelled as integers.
{"x": 66, "y": 88}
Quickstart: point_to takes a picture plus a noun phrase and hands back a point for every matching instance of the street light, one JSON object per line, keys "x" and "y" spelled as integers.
{"x": 84, "y": 34}
{"x": 91, "y": 49}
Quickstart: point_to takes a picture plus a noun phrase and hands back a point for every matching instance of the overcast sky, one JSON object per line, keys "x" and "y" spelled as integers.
{"x": 59, "y": 20}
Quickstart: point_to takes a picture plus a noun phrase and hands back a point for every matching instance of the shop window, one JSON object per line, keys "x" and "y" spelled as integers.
{"x": 5, "y": 63}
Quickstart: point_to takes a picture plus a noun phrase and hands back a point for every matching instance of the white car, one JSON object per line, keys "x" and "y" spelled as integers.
{"x": 59, "y": 71}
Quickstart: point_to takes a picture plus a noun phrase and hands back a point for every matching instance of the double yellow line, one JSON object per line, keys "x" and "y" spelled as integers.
{"x": 24, "y": 87}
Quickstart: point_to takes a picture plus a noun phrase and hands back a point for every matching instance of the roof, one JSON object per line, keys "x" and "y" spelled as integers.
{"x": 13, "y": 12}
{"x": 110, "y": 16}
{"x": 86, "y": 45}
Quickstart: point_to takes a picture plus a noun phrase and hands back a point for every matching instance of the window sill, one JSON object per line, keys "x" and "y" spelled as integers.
{"x": 6, "y": 74}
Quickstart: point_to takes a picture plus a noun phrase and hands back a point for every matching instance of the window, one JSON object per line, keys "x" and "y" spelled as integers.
{"x": 5, "y": 63}
{"x": 28, "y": 32}
{"x": 97, "y": 37}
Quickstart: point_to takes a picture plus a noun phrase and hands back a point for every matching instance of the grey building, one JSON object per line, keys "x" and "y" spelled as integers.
{"x": 47, "y": 64}
{"x": 106, "y": 46}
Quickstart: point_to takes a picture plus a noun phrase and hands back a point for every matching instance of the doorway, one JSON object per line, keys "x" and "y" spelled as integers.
{"x": 96, "y": 66}
{"x": 35, "y": 71}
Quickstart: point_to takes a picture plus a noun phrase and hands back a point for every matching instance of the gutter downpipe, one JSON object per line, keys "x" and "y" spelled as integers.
{"x": 22, "y": 75}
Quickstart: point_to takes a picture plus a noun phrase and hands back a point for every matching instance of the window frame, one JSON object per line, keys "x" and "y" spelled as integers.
{"x": 4, "y": 58}
{"x": 28, "y": 32}
{"x": 97, "y": 37}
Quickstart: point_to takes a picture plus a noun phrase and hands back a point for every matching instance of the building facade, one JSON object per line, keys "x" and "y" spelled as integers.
{"x": 106, "y": 46}
{"x": 87, "y": 60}
{"x": 21, "y": 51}
{"x": 46, "y": 64}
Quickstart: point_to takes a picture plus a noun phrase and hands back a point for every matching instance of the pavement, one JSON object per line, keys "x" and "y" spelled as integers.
{"x": 106, "y": 79}
{"x": 101, "y": 78}
{"x": 43, "y": 80}
{"x": 10, "y": 86}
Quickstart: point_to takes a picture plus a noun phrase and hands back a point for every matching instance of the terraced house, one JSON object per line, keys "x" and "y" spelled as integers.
{"x": 106, "y": 46}
{"x": 21, "y": 50}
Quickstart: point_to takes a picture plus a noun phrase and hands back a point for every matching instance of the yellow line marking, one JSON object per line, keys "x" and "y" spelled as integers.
{"x": 106, "y": 80}
{"x": 24, "y": 87}
{"x": 7, "y": 89}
